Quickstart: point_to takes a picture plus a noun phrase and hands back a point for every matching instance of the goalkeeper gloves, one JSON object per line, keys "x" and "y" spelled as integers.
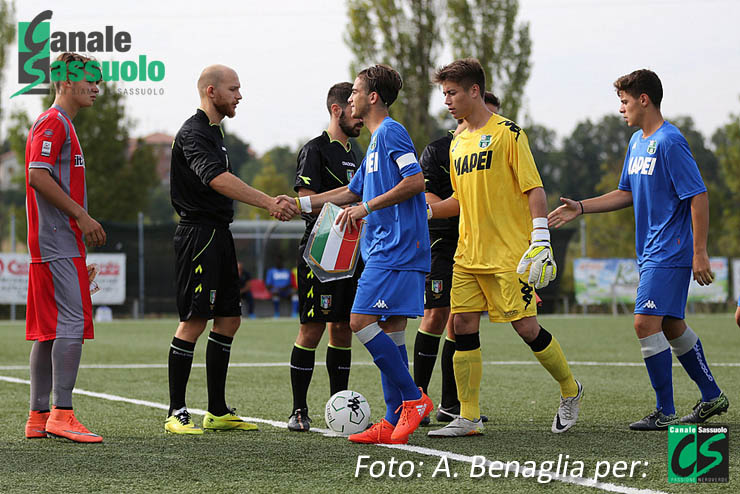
{"x": 539, "y": 258}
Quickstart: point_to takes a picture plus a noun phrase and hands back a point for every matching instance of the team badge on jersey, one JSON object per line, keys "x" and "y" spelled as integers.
{"x": 79, "y": 161}
{"x": 437, "y": 286}
{"x": 652, "y": 147}
{"x": 325, "y": 301}
{"x": 350, "y": 174}
{"x": 372, "y": 143}
{"x": 485, "y": 141}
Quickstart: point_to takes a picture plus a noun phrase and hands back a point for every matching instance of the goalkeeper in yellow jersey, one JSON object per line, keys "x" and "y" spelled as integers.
{"x": 503, "y": 232}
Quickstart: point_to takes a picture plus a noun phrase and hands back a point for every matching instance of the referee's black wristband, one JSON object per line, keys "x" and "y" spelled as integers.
{"x": 579, "y": 202}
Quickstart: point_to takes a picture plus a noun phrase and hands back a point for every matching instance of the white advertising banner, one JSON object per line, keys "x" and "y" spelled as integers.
{"x": 111, "y": 278}
{"x": 604, "y": 281}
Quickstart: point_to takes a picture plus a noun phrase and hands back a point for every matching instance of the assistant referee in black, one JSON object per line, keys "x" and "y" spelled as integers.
{"x": 203, "y": 189}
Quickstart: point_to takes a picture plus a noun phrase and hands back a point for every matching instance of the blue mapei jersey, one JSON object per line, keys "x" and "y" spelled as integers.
{"x": 663, "y": 177}
{"x": 395, "y": 237}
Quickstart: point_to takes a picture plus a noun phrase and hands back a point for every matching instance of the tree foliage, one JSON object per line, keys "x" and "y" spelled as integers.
{"x": 7, "y": 35}
{"x": 405, "y": 35}
{"x": 488, "y": 30}
{"x": 727, "y": 219}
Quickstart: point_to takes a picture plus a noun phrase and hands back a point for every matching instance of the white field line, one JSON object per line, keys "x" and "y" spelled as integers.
{"x": 361, "y": 363}
{"x": 586, "y": 482}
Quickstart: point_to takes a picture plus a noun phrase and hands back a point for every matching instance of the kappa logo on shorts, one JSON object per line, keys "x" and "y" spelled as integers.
{"x": 325, "y": 301}
{"x": 526, "y": 294}
{"x": 437, "y": 286}
{"x": 380, "y": 304}
{"x": 649, "y": 305}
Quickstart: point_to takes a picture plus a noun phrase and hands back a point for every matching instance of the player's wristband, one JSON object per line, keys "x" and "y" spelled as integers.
{"x": 430, "y": 213}
{"x": 367, "y": 207}
{"x": 581, "y": 204}
{"x": 298, "y": 203}
{"x": 539, "y": 223}
{"x": 305, "y": 203}
{"x": 540, "y": 235}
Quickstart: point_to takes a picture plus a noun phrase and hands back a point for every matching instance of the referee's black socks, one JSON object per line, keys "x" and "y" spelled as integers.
{"x": 338, "y": 361}
{"x": 218, "y": 352}
{"x": 179, "y": 363}
{"x": 426, "y": 346}
{"x": 302, "y": 361}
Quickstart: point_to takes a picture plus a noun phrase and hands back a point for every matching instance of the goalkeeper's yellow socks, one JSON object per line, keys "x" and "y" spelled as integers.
{"x": 468, "y": 365}
{"x": 547, "y": 350}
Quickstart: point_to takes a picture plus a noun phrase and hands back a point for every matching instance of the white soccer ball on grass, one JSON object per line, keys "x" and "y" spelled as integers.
{"x": 347, "y": 412}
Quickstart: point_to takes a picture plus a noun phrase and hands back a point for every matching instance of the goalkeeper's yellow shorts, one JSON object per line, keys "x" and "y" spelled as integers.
{"x": 506, "y": 296}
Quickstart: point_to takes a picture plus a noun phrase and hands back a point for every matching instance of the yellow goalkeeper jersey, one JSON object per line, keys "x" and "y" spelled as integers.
{"x": 491, "y": 169}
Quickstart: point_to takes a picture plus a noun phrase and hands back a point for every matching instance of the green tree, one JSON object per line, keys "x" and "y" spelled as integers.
{"x": 7, "y": 35}
{"x": 405, "y": 35}
{"x": 548, "y": 158}
{"x": 589, "y": 152}
{"x": 727, "y": 143}
{"x": 488, "y": 30}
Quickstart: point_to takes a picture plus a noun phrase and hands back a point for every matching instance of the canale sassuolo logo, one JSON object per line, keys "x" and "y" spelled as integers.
{"x": 36, "y": 43}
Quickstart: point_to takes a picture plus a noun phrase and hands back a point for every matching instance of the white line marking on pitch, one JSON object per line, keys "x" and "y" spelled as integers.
{"x": 319, "y": 364}
{"x": 604, "y": 486}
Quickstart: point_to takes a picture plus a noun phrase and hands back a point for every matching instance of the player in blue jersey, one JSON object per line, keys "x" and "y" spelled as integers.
{"x": 395, "y": 248}
{"x": 661, "y": 180}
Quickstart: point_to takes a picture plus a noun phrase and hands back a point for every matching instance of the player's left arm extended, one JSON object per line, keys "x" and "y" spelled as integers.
{"x": 407, "y": 188}
{"x": 314, "y": 202}
{"x": 700, "y": 224}
{"x": 539, "y": 256}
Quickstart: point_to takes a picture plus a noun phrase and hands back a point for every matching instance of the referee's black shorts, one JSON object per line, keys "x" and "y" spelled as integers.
{"x": 439, "y": 280}
{"x": 324, "y": 302}
{"x": 207, "y": 275}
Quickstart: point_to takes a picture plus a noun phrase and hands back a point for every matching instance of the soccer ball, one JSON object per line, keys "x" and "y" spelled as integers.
{"x": 347, "y": 412}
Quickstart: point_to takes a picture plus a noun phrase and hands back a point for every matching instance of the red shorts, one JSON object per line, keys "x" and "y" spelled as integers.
{"x": 59, "y": 304}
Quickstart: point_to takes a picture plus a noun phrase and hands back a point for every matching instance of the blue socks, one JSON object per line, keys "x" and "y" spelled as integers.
{"x": 392, "y": 360}
{"x": 657, "y": 355}
{"x": 690, "y": 353}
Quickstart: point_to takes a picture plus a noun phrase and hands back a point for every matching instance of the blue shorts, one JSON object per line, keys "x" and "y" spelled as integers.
{"x": 389, "y": 292}
{"x": 663, "y": 292}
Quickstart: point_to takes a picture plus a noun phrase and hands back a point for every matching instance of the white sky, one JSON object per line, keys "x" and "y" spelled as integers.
{"x": 289, "y": 52}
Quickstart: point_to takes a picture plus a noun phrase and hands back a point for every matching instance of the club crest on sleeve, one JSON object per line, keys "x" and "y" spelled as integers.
{"x": 46, "y": 148}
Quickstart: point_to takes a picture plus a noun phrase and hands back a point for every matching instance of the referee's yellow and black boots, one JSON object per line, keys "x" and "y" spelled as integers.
{"x": 181, "y": 423}
{"x": 227, "y": 422}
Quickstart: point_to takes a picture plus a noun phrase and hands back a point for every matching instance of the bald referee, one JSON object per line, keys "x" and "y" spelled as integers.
{"x": 203, "y": 190}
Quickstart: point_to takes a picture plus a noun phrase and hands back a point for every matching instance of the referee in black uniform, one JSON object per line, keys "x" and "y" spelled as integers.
{"x": 324, "y": 163}
{"x": 443, "y": 235}
{"x": 203, "y": 190}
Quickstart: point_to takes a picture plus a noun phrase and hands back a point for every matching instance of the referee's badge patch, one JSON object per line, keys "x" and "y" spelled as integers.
{"x": 485, "y": 141}
{"x": 325, "y": 301}
{"x": 437, "y": 286}
{"x": 350, "y": 174}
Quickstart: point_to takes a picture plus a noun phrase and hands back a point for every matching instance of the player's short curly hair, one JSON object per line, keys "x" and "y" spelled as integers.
{"x": 465, "y": 71}
{"x": 338, "y": 95}
{"x": 385, "y": 81}
{"x": 639, "y": 82}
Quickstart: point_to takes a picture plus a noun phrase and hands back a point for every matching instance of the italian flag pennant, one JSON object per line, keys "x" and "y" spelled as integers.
{"x": 332, "y": 249}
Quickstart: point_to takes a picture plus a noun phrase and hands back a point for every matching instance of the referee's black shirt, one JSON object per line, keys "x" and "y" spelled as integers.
{"x": 199, "y": 156}
{"x": 435, "y": 163}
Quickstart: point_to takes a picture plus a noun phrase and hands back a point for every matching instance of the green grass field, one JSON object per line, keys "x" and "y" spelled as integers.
{"x": 517, "y": 394}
